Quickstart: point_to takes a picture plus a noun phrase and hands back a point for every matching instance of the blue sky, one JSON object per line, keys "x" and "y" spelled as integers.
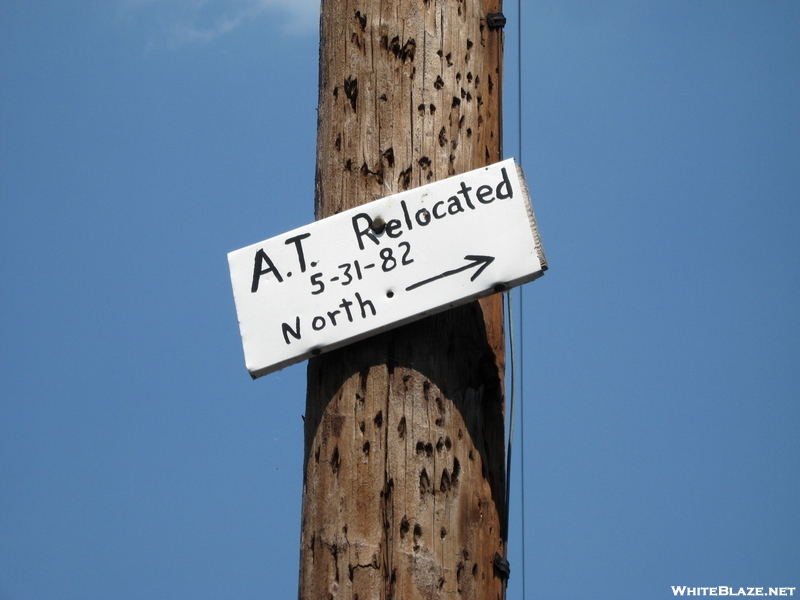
{"x": 142, "y": 140}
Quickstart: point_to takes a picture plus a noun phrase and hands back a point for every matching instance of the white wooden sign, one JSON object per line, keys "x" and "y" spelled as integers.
{"x": 383, "y": 264}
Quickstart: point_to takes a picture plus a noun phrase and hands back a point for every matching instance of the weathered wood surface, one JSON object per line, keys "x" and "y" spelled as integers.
{"x": 404, "y": 450}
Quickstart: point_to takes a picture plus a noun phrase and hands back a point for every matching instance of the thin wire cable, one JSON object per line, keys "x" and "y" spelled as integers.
{"x": 512, "y": 401}
{"x": 512, "y": 344}
{"x": 512, "y": 409}
{"x": 508, "y": 304}
{"x": 521, "y": 308}
{"x": 513, "y": 396}
{"x": 522, "y": 435}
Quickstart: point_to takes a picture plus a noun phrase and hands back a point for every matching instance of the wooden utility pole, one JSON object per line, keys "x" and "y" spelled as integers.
{"x": 404, "y": 482}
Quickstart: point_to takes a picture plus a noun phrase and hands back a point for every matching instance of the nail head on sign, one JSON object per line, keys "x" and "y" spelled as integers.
{"x": 378, "y": 225}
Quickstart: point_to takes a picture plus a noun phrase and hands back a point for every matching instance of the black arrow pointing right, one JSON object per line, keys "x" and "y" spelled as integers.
{"x": 475, "y": 261}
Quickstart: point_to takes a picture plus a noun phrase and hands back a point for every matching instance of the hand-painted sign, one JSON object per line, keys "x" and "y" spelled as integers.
{"x": 383, "y": 264}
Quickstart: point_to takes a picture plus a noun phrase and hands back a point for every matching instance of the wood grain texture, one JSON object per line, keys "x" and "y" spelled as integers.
{"x": 404, "y": 444}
